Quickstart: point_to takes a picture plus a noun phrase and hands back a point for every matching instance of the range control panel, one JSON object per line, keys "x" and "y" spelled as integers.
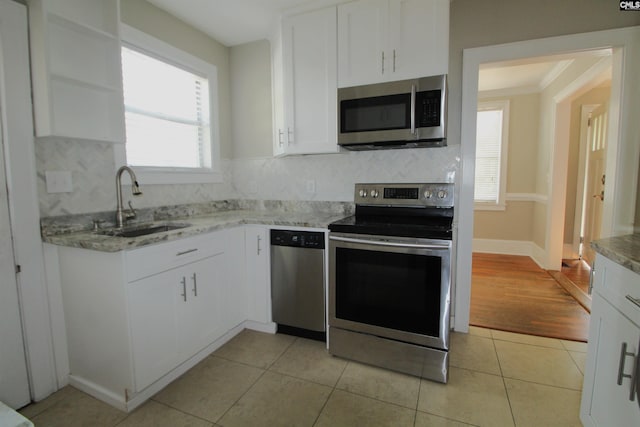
{"x": 429, "y": 195}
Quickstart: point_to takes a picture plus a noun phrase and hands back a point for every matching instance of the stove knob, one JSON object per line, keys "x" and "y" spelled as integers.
{"x": 374, "y": 193}
{"x": 442, "y": 194}
{"x": 363, "y": 193}
{"x": 428, "y": 194}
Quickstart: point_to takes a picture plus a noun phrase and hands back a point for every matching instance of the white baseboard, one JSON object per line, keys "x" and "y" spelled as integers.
{"x": 269, "y": 327}
{"x": 511, "y": 247}
{"x": 131, "y": 402}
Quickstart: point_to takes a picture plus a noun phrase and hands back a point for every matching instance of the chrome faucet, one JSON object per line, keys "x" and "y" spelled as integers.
{"x": 121, "y": 215}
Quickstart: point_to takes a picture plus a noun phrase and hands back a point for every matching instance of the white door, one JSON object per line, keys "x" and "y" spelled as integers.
{"x": 595, "y": 179}
{"x": 14, "y": 384}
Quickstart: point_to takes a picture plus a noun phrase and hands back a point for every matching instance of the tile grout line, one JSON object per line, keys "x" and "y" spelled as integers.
{"x": 333, "y": 389}
{"x": 264, "y": 371}
{"x": 504, "y": 383}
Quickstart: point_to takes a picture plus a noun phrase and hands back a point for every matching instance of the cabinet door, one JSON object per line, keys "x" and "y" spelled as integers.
{"x": 418, "y": 38}
{"x": 235, "y": 283}
{"x": 610, "y": 403}
{"x": 362, "y": 27}
{"x": 310, "y": 82}
{"x": 152, "y": 308}
{"x": 200, "y": 304}
{"x": 258, "y": 273}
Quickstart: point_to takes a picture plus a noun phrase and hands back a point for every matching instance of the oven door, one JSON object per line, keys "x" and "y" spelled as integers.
{"x": 393, "y": 287}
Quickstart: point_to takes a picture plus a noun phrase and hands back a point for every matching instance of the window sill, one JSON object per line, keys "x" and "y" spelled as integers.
{"x": 170, "y": 176}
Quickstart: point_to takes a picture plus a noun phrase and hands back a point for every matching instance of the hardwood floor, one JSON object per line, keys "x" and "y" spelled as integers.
{"x": 511, "y": 293}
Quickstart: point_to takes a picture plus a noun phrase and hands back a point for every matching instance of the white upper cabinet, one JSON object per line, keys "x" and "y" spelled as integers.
{"x": 77, "y": 77}
{"x": 386, "y": 40}
{"x": 305, "y": 84}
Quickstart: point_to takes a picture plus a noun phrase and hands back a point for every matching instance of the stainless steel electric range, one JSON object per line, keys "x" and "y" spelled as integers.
{"x": 390, "y": 278}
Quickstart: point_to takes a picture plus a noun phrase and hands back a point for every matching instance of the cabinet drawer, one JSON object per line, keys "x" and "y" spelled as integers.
{"x": 147, "y": 261}
{"x": 615, "y": 283}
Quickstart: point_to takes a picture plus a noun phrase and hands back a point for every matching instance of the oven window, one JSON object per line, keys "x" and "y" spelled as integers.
{"x": 375, "y": 113}
{"x": 393, "y": 290}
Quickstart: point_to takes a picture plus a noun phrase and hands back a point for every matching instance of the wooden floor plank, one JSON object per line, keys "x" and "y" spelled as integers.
{"x": 512, "y": 293}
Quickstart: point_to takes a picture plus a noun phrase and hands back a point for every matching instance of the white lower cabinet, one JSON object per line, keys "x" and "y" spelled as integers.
{"x": 137, "y": 319}
{"x": 174, "y": 315}
{"x": 258, "y": 274}
{"x": 609, "y": 397}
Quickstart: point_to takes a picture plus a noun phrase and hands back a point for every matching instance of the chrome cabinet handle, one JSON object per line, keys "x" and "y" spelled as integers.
{"x": 382, "y": 62}
{"x": 592, "y": 274}
{"x": 635, "y": 301}
{"x": 394, "y": 60}
{"x": 184, "y": 289}
{"x": 280, "y": 137}
{"x": 290, "y": 135}
{"x": 413, "y": 109}
{"x": 621, "y": 375}
{"x": 258, "y": 245}
{"x": 186, "y": 252}
{"x": 195, "y": 285}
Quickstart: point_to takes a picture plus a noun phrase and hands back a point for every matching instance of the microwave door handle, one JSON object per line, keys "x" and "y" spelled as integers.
{"x": 413, "y": 109}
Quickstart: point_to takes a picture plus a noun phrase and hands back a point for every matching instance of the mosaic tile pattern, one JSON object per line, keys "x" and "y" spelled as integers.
{"x": 328, "y": 177}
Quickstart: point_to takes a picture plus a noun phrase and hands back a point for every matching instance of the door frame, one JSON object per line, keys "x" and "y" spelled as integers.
{"x": 618, "y": 215}
{"x": 585, "y": 114}
{"x": 21, "y": 173}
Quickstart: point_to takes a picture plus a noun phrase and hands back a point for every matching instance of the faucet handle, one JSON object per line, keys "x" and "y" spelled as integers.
{"x": 132, "y": 212}
{"x": 97, "y": 223}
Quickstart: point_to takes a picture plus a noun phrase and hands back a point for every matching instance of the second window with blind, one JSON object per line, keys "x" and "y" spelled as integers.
{"x": 492, "y": 137}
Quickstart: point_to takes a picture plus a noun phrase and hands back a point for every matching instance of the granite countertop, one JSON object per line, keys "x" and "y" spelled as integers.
{"x": 197, "y": 224}
{"x": 624, "y": 250}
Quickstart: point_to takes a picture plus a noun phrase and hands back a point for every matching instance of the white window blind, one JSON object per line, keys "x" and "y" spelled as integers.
{"x": 166, "y": 113}
{"x": 491, "y": 139}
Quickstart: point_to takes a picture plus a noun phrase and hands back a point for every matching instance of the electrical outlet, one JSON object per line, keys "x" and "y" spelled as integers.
{"x": 58, "y": 181}
{"x": 311, "y": 186}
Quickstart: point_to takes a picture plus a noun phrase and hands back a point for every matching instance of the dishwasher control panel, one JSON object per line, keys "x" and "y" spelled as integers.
{"x": 298, "y": 239}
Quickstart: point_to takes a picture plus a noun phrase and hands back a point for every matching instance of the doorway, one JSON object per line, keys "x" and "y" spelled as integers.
{"x": 617, "y": 218}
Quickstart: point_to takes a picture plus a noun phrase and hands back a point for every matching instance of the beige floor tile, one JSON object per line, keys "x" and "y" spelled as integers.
{"x": 76, "y": 408}
{"x": 428, "y": 420}
{"x": 34, "y": 409}
{"x": 278, "y": 400}
{"x": 575, "y": 346}
{"x": 527, "y": 339}
{"x": 538, "y": 364}
{"x": 481, "y": 332}
{"x": 347, "y": 409}
{"x": 580, "y": 359}
{"x": 309, "y": 360}
{"x": 257, "y": 349}
{"x": 473, "y": 352}
{"x": 471, "y": 397}
{"x": 540, "y": 405}
{"x": 210, "y": 388}
{"x": 381, "y": 384}
{"x": 154, "y": 414}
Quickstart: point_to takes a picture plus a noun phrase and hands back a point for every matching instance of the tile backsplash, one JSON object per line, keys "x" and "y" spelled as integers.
{"x": 327, "y": 177}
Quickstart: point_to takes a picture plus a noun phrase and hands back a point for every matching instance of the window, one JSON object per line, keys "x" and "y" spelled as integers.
{"x": 491, "y": 154}
{"x": 170, "y": 112}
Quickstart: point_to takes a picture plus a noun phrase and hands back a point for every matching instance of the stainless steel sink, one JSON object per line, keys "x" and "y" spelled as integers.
{"x": 142, "y": 230}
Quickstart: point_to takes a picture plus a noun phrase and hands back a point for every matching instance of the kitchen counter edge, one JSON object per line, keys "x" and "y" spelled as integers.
{"x": 623, "y": 250}
{"x": 197, "y": 225}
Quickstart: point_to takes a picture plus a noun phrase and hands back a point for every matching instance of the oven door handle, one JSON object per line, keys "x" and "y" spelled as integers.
{"x": 389, "y": 244}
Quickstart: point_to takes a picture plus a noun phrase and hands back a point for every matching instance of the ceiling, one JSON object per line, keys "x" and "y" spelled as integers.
{"x": 234, "y": 22}
{"x": 529, "y": 75}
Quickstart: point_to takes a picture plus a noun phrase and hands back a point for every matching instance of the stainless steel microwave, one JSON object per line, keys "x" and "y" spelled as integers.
{"x": 401, "y": 114}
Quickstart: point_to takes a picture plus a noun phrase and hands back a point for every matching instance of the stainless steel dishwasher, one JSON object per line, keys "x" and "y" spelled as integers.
{"x": 297, "y": 282}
